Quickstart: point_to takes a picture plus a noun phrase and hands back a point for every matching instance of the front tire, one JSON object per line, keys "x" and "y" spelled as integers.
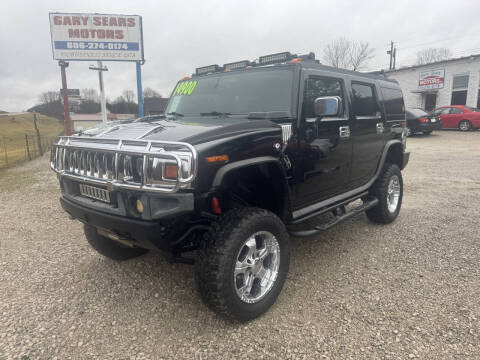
{"x": 465, "y": 125}
{"x": 243, "y": 263}
{"x": 110, "y": 248}
{"x": 388, "y": 189}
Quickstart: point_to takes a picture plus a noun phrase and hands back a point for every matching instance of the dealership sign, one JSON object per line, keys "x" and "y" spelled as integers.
{"x": 96, "y": 37}
{"x": 431, "y": 79}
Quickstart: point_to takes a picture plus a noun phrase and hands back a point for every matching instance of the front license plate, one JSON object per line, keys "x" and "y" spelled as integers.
{"x": 94, "y": 192}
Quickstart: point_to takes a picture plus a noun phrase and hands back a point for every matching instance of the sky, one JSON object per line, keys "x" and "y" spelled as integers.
{"x": 182, "y": 35}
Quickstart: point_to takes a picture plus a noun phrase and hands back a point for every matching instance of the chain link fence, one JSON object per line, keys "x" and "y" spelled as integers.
{"x": 17, "y": 149}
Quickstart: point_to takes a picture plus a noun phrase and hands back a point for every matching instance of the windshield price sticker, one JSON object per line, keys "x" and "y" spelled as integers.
{"x": 185, "y": 88}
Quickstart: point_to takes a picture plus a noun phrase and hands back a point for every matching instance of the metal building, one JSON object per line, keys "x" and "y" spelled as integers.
{"x": 448, "y": 82}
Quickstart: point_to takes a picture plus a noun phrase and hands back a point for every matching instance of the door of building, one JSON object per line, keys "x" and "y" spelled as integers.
{"x": 430, "y": 102}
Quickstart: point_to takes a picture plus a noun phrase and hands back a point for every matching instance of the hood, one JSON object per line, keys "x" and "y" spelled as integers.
{"x": 193, "y": 130}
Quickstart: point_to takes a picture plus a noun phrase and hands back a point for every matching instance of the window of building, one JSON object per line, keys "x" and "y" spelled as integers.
{"x": 460, "y": 82}
{"x": 364, "y": 100}
{"x": 460, "y": 89}
{"x": 319, "y": 86}
{"x": 459, "y": 97}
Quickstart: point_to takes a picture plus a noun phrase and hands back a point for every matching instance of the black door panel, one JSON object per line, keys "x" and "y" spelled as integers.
{"x": 368, "y": 131}
{"x": 324, "y": 156}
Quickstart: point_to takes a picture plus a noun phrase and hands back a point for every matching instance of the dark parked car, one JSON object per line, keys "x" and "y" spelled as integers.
{"x": 246, "y": 155}
{"x": 418, "y": 121}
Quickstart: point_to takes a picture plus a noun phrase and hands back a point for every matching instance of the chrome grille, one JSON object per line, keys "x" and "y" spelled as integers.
{"x": 134, "y": 164}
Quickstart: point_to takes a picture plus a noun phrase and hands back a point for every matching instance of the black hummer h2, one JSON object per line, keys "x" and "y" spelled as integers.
{"x": 245, "y": 154}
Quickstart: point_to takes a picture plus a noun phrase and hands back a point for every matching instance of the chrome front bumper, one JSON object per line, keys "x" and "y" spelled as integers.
{"x": 128, "y": 164}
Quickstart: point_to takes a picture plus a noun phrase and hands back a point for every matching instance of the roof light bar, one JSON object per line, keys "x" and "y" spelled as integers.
{"x": 275, "y": 58}
{"x": 208, "y": 69}
{"x": 236, "y": 65}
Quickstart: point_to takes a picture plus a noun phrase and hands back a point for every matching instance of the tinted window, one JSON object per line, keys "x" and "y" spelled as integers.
{"x": 364, "y": 101}
{"x": 455, "y": 111}
{"x": 234, "y": 92}
{"x": 393, "y": 100}
{"x": 319, "y": 86}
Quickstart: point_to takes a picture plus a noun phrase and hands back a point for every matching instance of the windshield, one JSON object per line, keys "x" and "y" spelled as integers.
{"x": 234, "y": 93}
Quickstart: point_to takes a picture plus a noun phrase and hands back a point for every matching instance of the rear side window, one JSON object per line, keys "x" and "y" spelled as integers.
{"x": 455, "y": 111}
{"x": 315, "y": 87}
{"x": 393, "y": 102}
{"x": 364, "y": 100}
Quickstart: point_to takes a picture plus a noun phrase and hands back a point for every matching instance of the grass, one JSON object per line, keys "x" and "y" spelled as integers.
{"x": 15, "y": 180}
{"x": 13, "y": 129}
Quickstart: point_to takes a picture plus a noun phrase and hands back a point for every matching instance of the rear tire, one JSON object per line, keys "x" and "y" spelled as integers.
{"x": 408, "y": 131}
{"x": 110, "y": 248}
{"x": 427, "y": 132}
{"x": 243, "y": 263}
{"x": 465, "y": 125}
{"x": 388, "y": 189}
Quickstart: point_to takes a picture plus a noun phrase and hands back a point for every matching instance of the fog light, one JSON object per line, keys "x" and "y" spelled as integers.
{"x": 139, "y": 206}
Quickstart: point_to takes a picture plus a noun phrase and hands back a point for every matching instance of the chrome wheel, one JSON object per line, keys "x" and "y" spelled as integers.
{"x": 393, "y": 193}
{"x": 256, "y": 267}
{"x": 464, "y": 125}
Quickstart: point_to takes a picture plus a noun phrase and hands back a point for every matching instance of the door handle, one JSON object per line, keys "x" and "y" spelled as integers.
{"x": 344, "y": 132}
{"x": 380, "y": 128}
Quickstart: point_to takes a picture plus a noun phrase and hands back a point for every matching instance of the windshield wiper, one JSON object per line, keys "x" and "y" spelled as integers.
{"x": 215, "y": 113}
{"x": 174, "y": 113}
{"x": 269, "y": 115}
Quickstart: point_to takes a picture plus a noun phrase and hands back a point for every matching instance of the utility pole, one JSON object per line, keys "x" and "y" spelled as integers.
{"x": 66, "y": 110}
{"x": 390, "y": 52}
{"x": 394, "y": 56}
{"x": 100, "y": 68}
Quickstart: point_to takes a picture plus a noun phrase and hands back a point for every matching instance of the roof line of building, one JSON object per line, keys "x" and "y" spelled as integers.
{"x": 472, "y": 56}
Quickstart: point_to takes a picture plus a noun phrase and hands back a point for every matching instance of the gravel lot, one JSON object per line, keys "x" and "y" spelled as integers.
{"x": 407, "y": 290}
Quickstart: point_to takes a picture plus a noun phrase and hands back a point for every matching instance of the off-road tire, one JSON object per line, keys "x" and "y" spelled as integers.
{"x": 380, "y": 213}
{"x": 110, "y": 248}
{"x": 214, "y": 268}
{"x": 468, "y": 125}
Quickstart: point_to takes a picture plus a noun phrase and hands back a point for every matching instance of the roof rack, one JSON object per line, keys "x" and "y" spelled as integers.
{"x": 277, "y": 58}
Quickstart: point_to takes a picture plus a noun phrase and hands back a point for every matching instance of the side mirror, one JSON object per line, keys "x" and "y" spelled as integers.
{"x": 327, "y": 106}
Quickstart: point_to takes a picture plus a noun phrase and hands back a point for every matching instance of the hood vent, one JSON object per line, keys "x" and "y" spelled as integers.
{"x": 286, "y": 132}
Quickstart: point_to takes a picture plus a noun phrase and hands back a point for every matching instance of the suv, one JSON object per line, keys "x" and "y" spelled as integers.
{"x": 246, "y": 155}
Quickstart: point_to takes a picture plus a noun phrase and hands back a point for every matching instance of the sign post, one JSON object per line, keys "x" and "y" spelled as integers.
{"x": 103, "y": 102}
{"x": 139, "y": 89}
{"x": 66, "y": 110}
